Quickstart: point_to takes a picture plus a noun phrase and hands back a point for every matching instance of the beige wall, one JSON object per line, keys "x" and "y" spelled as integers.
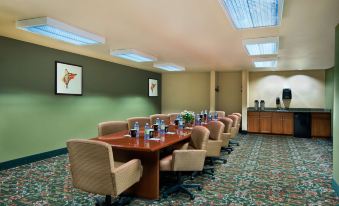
{"x": 308, "y": 87}
{"x": 190, "y": 91}
{"x": 228, "y": 98}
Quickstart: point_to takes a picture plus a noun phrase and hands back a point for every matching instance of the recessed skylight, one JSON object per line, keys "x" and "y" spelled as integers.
{"x": 133, "y": 55}
{"x": 253, "y": 13}
{"x": 265, "y": 63}
{"x": 58, "y": 30}
{"x": 169, "y": 67}
{"x": 262, "y": 46}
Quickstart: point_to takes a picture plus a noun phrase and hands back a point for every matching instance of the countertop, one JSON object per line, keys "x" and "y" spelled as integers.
{"x": 273, "y": 109}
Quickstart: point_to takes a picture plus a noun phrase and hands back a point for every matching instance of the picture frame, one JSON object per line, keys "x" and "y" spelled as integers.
{"x": 68, "y": 79}
{"x": 153, "y": 87}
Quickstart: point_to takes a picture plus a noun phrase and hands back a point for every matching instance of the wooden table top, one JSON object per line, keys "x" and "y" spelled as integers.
{"x": 120, "y": 140}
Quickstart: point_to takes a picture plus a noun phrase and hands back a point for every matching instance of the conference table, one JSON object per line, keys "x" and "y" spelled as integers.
{"x": 126, "y": 148}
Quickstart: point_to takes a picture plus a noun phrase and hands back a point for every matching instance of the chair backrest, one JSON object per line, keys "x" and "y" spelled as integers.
{"x": 199, "y": 138}
{"x": 235, "y": 119}
{"x": 228, "y": 122}
{"x": 238, "y": 114}
{"x": 105, "y": 128}
{"x": 216, "y": 129}
{"x": 221, "y": 114}
{"x": 91, "y": 165}
{"x": 173, "y": 116}
{"x": 164, "y": 117}
{"x": 141, "y": 120}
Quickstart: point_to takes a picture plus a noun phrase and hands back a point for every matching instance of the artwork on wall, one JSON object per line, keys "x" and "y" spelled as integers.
{"x": 152, "y": 87}
{"x": 68, "y": 79}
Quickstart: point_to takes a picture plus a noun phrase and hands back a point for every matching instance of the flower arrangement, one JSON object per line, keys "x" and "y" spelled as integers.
{"x": 188, "y": 116}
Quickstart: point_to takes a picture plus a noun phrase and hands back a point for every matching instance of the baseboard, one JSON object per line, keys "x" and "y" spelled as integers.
{"x": 243, "y": 131}
{"x": 31, "y": 158}
{"x": 335, "y": 187}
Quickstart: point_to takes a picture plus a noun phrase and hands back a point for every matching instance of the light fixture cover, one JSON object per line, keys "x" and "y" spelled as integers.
{"x": 52, "y": 28}
{"x": 133, "y": 55}
{"x": 169, "y": 67}
{"x": 262, "y": 46}
{"x": 253, "y": 13}
{"x": 265, "y": 63}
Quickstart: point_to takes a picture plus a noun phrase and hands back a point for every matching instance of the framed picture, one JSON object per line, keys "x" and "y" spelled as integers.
{"x": 68, "y": 79}
{"x": 152, "y": 87}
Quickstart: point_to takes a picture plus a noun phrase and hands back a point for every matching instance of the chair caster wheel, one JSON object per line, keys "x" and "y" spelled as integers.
{"x": 229, "y": 152}
{"x": 192, "y": 197}
{"x": 199, "y": 188}
{"x": 225, "y": 161}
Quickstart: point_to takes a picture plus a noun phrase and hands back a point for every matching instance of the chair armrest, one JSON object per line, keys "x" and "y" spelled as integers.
{"x": 213, "y": 148}
{"x": 233, "y": 132}
{"x": 184, "y": 146}
{"x": 225, "y": 138}
{"x": 188, "y": 160}
{"x": 126, "y": 175}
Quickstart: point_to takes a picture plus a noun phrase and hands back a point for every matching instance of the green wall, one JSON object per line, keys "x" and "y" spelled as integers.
{"x": 336, "y": 109}
{"x": 33, "y": 119}
{"x": 329, "y": 88}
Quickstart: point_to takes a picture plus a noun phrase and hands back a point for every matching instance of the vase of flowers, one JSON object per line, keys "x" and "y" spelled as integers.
{"x": 188, "y": 117}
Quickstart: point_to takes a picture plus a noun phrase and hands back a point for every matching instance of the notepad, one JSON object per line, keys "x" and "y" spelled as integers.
{"x": 170, "y": 132}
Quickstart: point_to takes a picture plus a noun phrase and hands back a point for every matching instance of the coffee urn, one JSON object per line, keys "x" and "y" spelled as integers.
{"x": 256, "y": 105}
{"x": 262, "y": 105}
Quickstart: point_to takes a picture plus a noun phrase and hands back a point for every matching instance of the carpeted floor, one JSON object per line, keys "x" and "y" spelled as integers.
{"x": 263, "y": 170}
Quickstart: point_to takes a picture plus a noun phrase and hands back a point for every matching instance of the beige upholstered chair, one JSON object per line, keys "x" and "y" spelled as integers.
{"x": 141, "y": 120}
{"x": 173, "y": 116}
{"x": 235, "y": 127}
{"x": 105, "y": 128}
{"x": 190, "y": 157}
{"x": 164, "y": 117}
{"x": 94, "y": 170}
{"x": 226, "y": 136}
{"x": 221, "y": 114}
{"x": 239, "y": 115}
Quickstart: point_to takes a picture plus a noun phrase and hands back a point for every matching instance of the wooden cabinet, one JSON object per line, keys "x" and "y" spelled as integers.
{"x": 259, "y": 122}
{"x": 321, "y": 125}
{"x": 265, "y": 122}
{"x": 282, "y": 123}
{"x": 253, "y": 122}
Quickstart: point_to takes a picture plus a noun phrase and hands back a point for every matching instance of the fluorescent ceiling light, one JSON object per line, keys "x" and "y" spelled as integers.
{"x": 169, "y": 67}
{"x": 262, "y": 46}
{"x": 253, "y": 13}
{"x": 133, "y": 55}
{"x": 265, "y": 63}
{"x": 58, "y": 30}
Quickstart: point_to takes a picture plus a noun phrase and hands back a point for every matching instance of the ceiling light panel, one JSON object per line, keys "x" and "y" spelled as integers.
{"x": 169, "y": 67}
{"x": 253, "y": 13}
{"x": 265, "y": 63}
{"x": 262, "y": 46}
{"x": 60, "y": 31}
{"x": 133, "y": 55}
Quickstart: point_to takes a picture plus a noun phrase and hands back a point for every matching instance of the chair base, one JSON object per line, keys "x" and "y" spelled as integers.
{"x": 119, "y": 201}
{"x": 181, "y": 187}
{"x": 234, "y": 143}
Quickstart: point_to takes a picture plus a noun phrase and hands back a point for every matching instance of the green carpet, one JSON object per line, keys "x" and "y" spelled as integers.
{"x": 263, "y": 170}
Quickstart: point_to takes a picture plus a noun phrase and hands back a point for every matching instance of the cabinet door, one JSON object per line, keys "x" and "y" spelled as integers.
{"x": 321, "y": 125}
{"x": 288, "y": 123}
{"x": 253, "y": 122}
{"x": 265, "y": 122}
{"x": 277, "y": 123}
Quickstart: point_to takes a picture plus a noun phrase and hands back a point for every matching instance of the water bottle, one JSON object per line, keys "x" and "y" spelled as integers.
{"x": 157, "y": 121}
{"x": 181, "y": 123}
{"x": 215, "y": 115}
{"x": 136, "y": 127}
{"x": 146, "y": 133}
{"x": 210, "y": 116}
{"x": 197, "y": 119}
{"x": 162, "y": 127}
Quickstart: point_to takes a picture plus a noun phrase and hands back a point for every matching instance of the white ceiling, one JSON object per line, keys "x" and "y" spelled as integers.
{"x": 192, "y": 33}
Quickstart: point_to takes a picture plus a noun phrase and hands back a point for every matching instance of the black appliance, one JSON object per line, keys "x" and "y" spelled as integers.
{"x": 287, "y": 94}
{"x": 302, "y": 124}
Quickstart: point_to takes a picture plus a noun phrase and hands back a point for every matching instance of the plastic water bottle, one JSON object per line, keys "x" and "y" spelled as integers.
{"x": 197, "y": 119}
{"x": 181, "y": 123}
{"x": 162, "y": 127}
{"x": 146, "y": 133}
{"x": 209, "y": 116}
{"x": 157, "y": 121}
{"x": 215, "y": 115}
{"x": 137, "y": 128}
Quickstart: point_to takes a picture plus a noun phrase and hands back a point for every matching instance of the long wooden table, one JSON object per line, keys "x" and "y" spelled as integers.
{"x": 127, "y": 148}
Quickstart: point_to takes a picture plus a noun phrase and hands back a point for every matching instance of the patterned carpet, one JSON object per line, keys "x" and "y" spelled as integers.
{"x": 263, "y": 170}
